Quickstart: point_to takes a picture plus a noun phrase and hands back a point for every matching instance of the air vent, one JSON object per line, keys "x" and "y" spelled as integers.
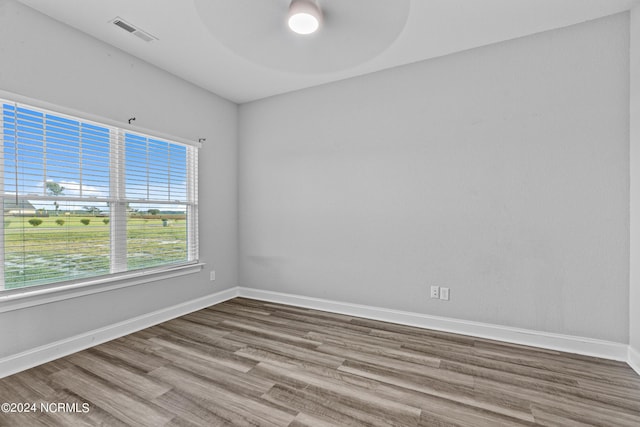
{"x": 124, "y": 25}
{"x": 144, "y": 36}
{"x": 133, "y": 29}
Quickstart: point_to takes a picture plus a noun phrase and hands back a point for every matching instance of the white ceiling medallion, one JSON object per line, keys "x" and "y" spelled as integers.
{"x": 349, "y": 32}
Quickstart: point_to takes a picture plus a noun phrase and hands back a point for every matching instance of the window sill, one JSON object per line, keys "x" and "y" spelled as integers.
{"x": 17, "y": 299}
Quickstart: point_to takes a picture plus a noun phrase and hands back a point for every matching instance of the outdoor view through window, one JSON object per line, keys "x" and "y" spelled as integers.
{"x": 83, "y": 199}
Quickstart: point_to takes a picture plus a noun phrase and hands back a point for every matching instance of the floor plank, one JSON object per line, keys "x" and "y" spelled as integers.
{"x": 253, "y": 363}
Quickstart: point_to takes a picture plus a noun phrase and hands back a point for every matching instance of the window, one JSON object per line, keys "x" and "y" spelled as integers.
{"x": 83, "y": 199}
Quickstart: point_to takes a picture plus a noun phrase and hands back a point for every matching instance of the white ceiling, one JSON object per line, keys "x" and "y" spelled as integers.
{"x": 188, "y": 49}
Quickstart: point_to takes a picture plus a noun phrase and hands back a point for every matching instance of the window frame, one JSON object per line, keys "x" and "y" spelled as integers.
{"x": 115, "y": 279}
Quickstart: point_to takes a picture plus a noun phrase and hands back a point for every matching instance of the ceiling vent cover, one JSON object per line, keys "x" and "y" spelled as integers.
{"x": 133, "y": 29}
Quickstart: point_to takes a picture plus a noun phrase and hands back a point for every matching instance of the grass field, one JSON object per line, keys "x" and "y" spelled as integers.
{"x": 41, "y": 254}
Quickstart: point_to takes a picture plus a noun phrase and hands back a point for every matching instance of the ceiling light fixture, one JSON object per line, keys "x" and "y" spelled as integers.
{"x": 304, "y": 16}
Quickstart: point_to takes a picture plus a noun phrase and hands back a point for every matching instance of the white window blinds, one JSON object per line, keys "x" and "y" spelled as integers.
{"x": 84, "y": 199}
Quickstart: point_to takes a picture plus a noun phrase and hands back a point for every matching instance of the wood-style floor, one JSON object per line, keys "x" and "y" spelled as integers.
{"x": 245, "y": 362}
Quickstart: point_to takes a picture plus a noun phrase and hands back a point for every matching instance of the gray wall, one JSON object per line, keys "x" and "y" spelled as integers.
{"x": 634, "y": 298}
{"x": 501, "y": 172}
{"x": 43, "y": 59}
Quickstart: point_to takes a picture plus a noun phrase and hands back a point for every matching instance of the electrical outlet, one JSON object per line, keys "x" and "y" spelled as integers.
{"x": 444, "y": 294}
{"x": 435, "y": 292}
{"x": 212, "y": 275}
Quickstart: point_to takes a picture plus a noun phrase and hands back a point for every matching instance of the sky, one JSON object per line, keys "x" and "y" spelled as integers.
{"x": 76, "y": 154}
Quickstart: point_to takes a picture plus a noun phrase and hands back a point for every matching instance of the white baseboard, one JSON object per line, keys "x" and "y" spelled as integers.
{"x": 634, "y": 359}
{"x": 39, "y": 355}
{"x": 568, "y": 343}
{"x": 572, "y": 344}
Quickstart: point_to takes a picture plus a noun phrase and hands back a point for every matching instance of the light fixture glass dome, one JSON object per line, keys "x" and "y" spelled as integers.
{"x": 304, "y": 17}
